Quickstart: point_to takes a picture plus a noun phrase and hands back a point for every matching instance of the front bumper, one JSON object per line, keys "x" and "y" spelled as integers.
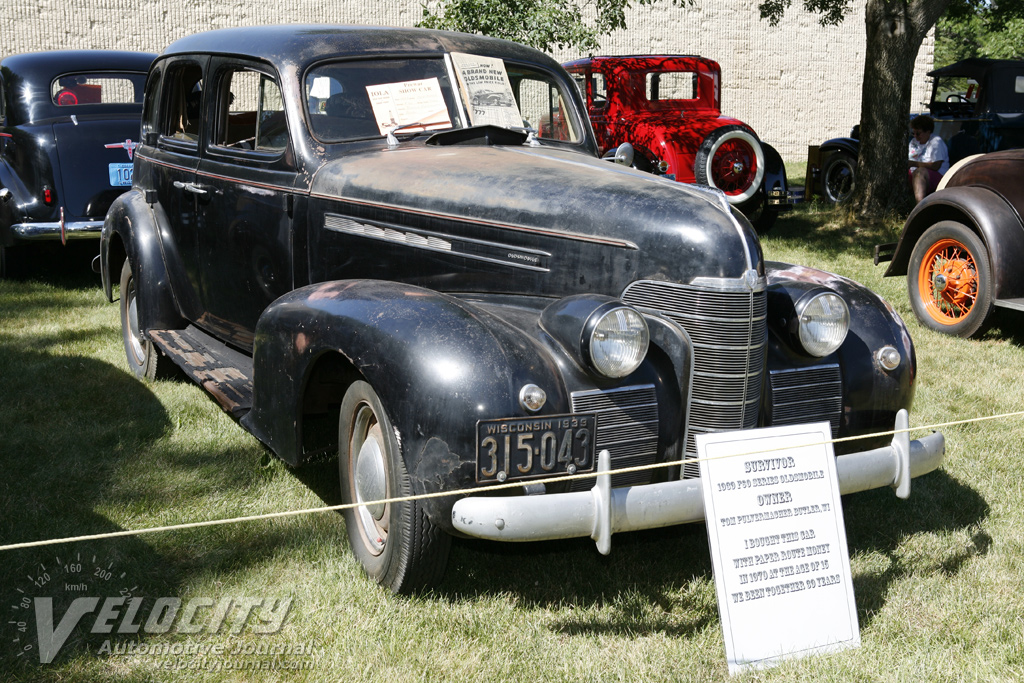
{"x": 602, "y": 511}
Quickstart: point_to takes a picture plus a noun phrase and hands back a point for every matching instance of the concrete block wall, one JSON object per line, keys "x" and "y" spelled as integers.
{"x": 796, "y": 84}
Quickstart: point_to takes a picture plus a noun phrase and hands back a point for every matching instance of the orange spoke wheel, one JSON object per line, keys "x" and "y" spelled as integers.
{"x": 950, "y": 280}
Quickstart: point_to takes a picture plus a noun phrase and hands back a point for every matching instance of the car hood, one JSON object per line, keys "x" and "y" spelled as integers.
{"x": 555, "y": 220}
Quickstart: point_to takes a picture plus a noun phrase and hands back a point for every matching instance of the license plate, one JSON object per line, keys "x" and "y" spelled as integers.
{"x": 529, "y": 447}
{"x": 120, "y": 174}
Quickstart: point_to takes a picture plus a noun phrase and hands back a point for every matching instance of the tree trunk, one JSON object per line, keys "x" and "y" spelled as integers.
{"x": 895, "y": 30}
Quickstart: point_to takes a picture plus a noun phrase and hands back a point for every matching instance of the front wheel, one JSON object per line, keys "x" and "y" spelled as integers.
{"x": 950, "y": 280}
{"x": 395, "y": 542}
{"x": 143, "y": 357}
{"x": 838, "y": 177}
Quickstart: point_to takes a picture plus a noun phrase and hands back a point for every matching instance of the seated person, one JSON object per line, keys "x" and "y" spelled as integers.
{"x": 928, "y": 157}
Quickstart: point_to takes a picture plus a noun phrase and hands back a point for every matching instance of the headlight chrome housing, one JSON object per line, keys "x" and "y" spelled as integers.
{"x": 615, "y": 340}
{"x": 823, "y": 320}
{"x": 599, "y": 332}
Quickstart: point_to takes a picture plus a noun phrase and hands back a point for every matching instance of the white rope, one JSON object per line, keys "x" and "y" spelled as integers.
{"x": 442, "y": 494}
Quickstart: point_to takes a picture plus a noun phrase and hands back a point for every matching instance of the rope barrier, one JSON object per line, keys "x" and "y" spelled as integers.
{"x": 495, "y": 487}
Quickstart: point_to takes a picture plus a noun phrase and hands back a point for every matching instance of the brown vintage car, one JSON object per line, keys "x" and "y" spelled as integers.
{"x": 962, "y": 246}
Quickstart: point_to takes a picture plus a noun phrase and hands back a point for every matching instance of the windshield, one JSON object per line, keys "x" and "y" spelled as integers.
{"x": 350, "y": 100}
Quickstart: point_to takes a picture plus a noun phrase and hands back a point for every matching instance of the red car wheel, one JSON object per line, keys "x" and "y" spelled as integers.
{"x": 731, "y": 160}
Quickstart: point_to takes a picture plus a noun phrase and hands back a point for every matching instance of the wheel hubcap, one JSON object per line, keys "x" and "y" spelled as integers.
{"x": 734, "y": 167}
{"x": 134, "y": 336}
{"x": 370, "y": 478}
{"x": 948, "y": 281}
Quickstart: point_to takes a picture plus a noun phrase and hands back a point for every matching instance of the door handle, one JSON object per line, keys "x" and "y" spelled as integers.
{"x": 191, "y": 187}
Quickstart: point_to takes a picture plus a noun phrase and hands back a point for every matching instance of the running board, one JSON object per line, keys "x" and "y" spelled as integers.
{"x": 225, "y": 373}
{"x": 1015, "y": 304}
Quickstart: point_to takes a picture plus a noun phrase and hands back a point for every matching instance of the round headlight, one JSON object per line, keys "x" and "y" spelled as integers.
{"x": 823, "y": 321}
{"x": 618, "y": 341}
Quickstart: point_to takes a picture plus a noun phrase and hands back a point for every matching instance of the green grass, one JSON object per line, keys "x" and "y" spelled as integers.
{"x": 86, "y": 448}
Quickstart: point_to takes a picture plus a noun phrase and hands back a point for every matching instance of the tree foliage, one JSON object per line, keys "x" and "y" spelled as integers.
{"x": 543, "y": 24}
{"x": 971, "y": 29}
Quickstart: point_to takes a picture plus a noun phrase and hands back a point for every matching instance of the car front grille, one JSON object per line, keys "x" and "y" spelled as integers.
{"x": 807, "y": 395}
{"x": 727, "y": 323}
{"x": 627, "y": 425}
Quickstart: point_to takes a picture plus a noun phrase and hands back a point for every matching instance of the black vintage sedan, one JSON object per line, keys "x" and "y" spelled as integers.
{"x": 355, "y": 260}
{"x": 962, "y": 246}
{"x": 69, "y": 125}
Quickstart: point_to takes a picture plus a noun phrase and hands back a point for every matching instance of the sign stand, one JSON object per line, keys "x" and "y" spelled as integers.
{"x": 778, "y": 544}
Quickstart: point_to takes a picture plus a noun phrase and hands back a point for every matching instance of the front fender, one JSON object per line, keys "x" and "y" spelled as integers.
{"x": 871, "y": 395}
{"x": 131, "y": 230}
{"x": 437, "y": 363}
{"x": 983, "y": 211}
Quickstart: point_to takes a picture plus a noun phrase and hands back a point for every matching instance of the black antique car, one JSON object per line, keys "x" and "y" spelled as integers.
{"x": 69, "y": 125}
{"x": 962, "y": 246}
{"x": 328, "y": 236}
{"x": 977, "y": 105}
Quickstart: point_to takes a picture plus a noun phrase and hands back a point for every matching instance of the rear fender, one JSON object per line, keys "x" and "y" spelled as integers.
{"x": 774, "y": 170}
{"x": 131, "y": 230}
{"x": 984, "y": 212}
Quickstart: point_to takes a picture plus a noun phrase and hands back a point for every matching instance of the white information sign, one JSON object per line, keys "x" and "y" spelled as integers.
{"x": 486, "y": 90}
{"x": 778, "y": 544}
{"x": 409, "y": 102}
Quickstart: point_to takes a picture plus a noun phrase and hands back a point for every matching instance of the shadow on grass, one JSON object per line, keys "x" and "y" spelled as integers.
{"x": 660, "y": 581}
{"x": 68, "y": 425}
{"x": 878, "y": 522}
{"x": 832, "y": 231}
{"x": 66, "y": 266}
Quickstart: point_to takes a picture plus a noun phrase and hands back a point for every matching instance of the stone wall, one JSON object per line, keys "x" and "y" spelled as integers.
{"x": 796, "y": 84}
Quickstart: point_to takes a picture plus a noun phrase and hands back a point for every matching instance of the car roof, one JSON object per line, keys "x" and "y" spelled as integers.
{"x": 303, "y": 44}
{"x": 43, "y": 66}
{"x": 977, "y": 67}
{"x": 642, "y": 61}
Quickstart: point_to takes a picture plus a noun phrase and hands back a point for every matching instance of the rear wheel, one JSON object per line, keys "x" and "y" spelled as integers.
{"x": 143, "y": 357}
{"x": 838, "y": 176}
{"x": 950, "y": 280}
{"x": 731, "y": 159}
{"x": 395, "y": 542}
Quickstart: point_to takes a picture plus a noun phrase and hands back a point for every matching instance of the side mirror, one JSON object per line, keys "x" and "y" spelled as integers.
{"x": 623, "y": 154}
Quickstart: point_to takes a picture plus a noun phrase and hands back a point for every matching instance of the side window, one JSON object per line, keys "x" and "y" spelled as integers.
{"x": 183, "y": 97}
{"x": 599, "y": 88}
{"x": 671, "y": 85}
{"x": 542, "y": 104}
{"x": 251, "y": 113}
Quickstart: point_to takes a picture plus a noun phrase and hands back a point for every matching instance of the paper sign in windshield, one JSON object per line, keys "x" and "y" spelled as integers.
{"x": 409, "y": 102}
{"x": 778, "y": 544}
{"x": 487, "y": 91}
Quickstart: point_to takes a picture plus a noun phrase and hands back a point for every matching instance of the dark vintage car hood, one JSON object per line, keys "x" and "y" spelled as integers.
{"x": 513, "y": 217}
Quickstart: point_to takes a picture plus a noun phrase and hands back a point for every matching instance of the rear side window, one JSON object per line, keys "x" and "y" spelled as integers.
{"x": 671, "y": 85}
{"x": 251, "y": 113}
{"x": 72, "y": 90}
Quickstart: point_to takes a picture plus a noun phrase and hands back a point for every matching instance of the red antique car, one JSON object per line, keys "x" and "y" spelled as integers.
{"x": 670, "y": 109}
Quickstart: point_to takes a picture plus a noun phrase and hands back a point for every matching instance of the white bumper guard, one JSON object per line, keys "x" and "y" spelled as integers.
{"x": 602, "y": 511}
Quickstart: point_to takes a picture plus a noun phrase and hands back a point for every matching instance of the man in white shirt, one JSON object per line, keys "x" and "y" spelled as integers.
{"x": 929, "y": 158}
